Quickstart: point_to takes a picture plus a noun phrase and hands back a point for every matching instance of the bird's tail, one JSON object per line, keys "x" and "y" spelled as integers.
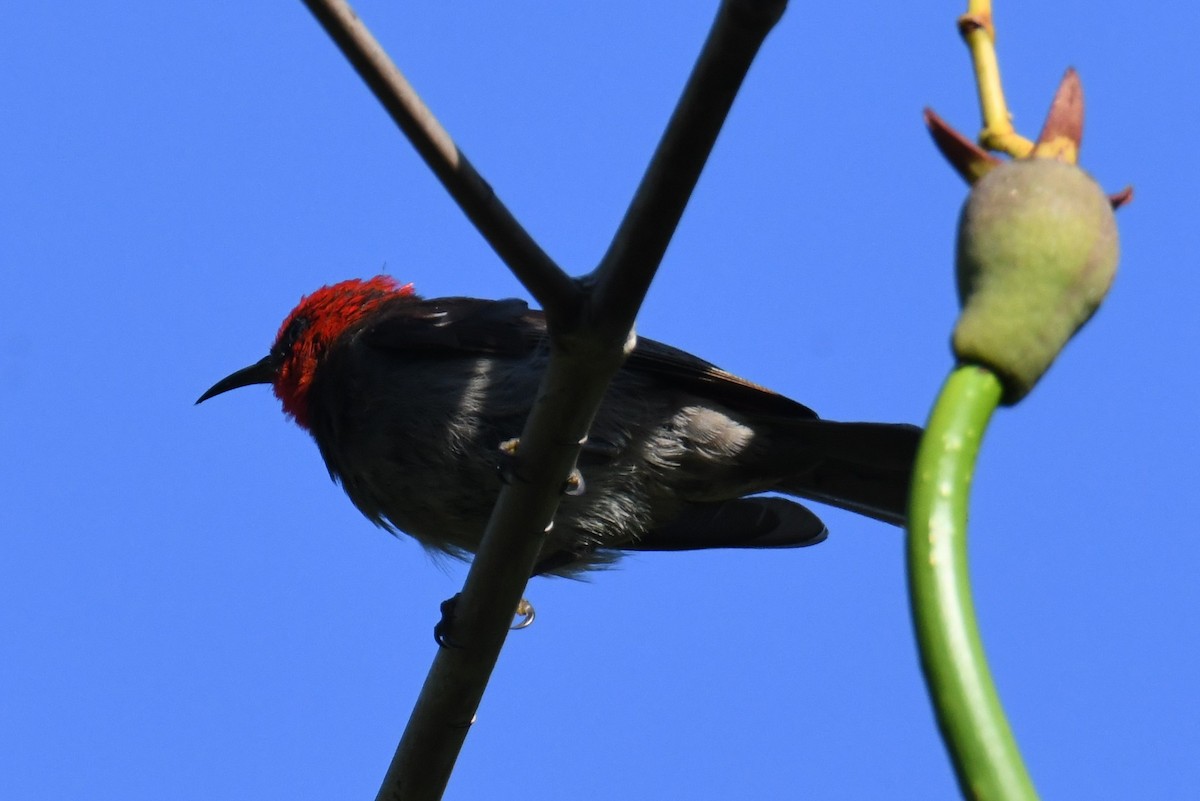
{"x": 863, "y": 467}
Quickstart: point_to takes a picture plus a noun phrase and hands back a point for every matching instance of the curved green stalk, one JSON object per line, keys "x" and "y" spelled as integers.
{"x": 969, "y": 714}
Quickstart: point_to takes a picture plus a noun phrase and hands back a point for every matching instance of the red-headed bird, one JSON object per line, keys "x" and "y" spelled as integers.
{"x": 410, "y": 400}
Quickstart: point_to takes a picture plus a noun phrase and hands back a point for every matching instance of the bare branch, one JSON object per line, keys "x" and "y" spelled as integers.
{"x": 549, "y": 285}
{"x": 624, "y": 274}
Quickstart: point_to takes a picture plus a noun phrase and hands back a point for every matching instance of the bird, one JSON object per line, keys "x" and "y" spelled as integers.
{"x": 415, "y": 403}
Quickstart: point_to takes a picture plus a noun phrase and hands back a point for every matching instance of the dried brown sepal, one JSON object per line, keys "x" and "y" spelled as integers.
{"x": 1119, "y": 199}
{"x": 1062, "y": 133}
{"x": 967, "y": 158}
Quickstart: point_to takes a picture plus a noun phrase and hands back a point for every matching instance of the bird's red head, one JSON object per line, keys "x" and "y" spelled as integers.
{"x": 315, "y": 324}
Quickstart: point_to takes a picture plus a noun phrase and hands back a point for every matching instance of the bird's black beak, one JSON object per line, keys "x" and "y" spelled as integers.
{"x": 261, "y": 372}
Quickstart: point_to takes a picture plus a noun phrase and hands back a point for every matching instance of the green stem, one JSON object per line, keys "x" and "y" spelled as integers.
{"x": 972, "y": 722}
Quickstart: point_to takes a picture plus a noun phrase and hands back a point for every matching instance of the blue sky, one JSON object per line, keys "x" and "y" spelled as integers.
{"x": 189, "y": 606}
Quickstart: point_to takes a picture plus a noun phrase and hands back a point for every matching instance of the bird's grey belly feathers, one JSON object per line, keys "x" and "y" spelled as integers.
{"x": 431, "y": 465}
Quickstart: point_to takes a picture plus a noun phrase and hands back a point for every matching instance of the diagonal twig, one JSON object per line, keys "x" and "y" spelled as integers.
{"x": 548, "y": 284}
{"x": 626, "y": 270}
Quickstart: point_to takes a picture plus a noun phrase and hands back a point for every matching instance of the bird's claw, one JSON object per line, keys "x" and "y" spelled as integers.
{"x": 526, "y": 613}
{"x": 510, "y": 463}
{"x": 574, "y": 485}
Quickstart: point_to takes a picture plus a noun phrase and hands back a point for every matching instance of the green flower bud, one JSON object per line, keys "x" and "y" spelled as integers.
{"x": 1037, "y": 252}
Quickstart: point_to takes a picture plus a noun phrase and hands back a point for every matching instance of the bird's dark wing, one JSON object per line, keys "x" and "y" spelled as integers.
{"x": 467, "y": 326}
{"x": 737, "y": 523}
{"x": 509, "y": 328}
{"x": 681, "y": 369}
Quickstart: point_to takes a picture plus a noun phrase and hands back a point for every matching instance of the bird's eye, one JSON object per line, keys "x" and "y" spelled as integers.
{"x": 292, "y": 334}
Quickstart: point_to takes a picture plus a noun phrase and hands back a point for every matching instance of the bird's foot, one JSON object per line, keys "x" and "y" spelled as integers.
{"x": 525, "y": 615}
{"x": 510, "y": 468}
{"x": 441, "y": 631}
